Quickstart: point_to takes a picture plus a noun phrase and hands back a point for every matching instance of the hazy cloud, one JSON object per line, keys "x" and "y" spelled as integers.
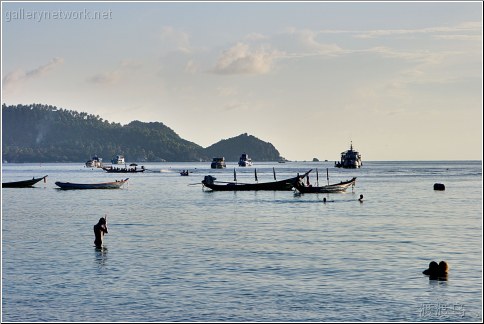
{"x": 174, "y": 39}
{"x": 105, "y": 78}
{"x": 242, "y": 59}
{"x": 20, "y": 75}
{"x": 191, "y": 67}
{"x": 308, "y": 41}
{"x": 470, "y": 27}
{"x": 131, "y": 64}
{"x": 111, "y": 77}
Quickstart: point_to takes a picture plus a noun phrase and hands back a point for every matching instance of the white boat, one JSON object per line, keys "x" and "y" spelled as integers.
{"x": 218, "y": 163}
{"x": 245, "y": 160}
{"x": 350, "y": 159}
{"x": 118, "y": 159}
{"x": 95, "y": 162}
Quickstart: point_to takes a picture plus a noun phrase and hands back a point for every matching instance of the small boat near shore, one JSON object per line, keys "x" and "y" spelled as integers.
{"x": 103, "y": 185}
{"x": 22, "y": 183}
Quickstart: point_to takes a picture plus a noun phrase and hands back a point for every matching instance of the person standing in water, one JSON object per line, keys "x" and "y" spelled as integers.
{"x": 100, "y": 229}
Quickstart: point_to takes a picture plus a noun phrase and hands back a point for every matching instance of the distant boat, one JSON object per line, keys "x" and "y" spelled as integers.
{"x": 245, "y": 160}
{"x": 218, "y": 163}
{"x": 281, "y": 185}
{"x": 118, "y": 159}
{"x": 124, "y": 170}
{"x": 22, "y": 184}
{"x": 94, "y": 162}
{"x": 350, "y": 159}
{"x": 103, "y": 185}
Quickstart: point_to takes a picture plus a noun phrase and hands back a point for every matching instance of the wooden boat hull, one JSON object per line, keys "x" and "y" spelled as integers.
{"x": 281, "y": 185}
{"x": 285, "y": 185}
{"x": 113, "y": 170}
{"x": 22, "y": 184}
{"x": 333, "y": 188}
{"x": 103, "y": 185}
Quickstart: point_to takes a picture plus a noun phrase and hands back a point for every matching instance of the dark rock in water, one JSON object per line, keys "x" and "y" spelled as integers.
{"x": 439, "y": 186}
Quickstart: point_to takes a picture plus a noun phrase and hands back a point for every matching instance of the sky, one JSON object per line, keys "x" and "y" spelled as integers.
{"x": 400, "y": 80}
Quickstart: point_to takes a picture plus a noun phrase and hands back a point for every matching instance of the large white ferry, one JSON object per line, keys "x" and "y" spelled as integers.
{"x": 350, "y": 159}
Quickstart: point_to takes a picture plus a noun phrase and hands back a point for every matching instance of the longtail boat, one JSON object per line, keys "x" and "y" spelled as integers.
{"x": 281, "y": 185}
{"x": 124, "y": 170}
{"x": 22, "y": 184}
{"x": 103, "y": 185}
{"x": 332, "y": 188}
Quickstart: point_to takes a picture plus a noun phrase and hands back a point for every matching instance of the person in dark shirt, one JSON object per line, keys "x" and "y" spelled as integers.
{"x": 100, "y": 229}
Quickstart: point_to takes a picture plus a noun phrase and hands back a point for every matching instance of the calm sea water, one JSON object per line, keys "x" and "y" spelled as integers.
{"x": 175, "y": 252}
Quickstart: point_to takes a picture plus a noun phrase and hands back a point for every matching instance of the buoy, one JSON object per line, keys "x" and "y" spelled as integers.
{"x": 439, "y": 186}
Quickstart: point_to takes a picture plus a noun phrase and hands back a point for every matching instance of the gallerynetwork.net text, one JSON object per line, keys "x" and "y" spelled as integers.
{"x": 41, "y": 15}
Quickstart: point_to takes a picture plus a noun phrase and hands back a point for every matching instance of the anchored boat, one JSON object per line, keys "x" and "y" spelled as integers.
{"x": 350, "y": 159}
{"x": 103, "y": 185}
{"x": 245, "y": 160}
{"x": 218, "y": 163}
{"x": 281, "y": 185}
{"x": 23, "y": 183}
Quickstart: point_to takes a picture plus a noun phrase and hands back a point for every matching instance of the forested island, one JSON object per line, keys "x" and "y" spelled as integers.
{"x": 45, "y": 133}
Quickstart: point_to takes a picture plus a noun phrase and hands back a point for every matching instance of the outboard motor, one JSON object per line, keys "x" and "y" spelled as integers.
{"x": 208, "y": 180}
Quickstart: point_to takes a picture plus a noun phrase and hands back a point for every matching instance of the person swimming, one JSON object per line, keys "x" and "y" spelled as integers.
{"x": 361, "y": 198}
{"x": 433, "y": 268}
{"x": 443, "y": 269}
{"x": 437, "y": 271}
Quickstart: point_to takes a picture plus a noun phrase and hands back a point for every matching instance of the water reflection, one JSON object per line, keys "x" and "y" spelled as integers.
{"x": 101, "y": 256}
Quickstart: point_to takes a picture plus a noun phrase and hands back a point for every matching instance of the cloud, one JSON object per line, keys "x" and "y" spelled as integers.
{"x": 111, "y": 77}
{"x": 242, "y": 59}
{"x": 191, "y": 67}
{"x": 19, "y": 75}
{"x": 471, "y": 28}
{"x": 421, "y": 56}
{"x": 105, "y": 78}
{"x": 131, "y": 64}
{"x": 307, "y": 40}
{"x": 174, "y": 39}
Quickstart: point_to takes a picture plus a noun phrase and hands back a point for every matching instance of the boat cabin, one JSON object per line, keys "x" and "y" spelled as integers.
{"x": 218, "y": 163}
{"x": 245, "y": 160}
{"x": 118, "y": 159}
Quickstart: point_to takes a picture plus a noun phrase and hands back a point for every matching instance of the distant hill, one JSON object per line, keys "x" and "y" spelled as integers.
{"x": 233, "y": 147}
{"x": 44, "y": 133}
